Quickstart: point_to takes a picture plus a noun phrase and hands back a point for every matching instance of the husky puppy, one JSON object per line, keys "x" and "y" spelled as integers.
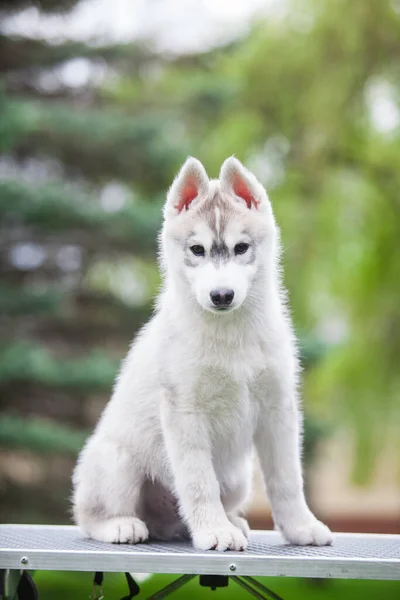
{"x": 213, "y": 375}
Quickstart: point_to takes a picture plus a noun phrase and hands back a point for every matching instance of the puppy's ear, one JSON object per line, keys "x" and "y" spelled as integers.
{"x": 189, "y": 185}
{"x": 239, "y": 182}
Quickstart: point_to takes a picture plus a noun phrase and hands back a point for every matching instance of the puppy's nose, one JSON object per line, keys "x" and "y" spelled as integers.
{"x": 222, "y": 297}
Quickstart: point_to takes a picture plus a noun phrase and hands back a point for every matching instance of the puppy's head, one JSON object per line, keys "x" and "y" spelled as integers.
{"x": 217, "y": 235}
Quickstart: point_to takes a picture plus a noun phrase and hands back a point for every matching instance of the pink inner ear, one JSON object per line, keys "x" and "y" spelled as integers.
{"x": 242, "y": 190}
{"x": 188, "y": 194}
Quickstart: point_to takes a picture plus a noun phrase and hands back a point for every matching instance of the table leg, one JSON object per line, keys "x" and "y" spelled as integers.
{"x": 172, "y": 587}
{"x": 9, "y": 580}
{"x": 264, "y": 593}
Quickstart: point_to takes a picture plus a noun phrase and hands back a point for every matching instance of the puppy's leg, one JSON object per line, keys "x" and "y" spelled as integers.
{"x": 189, "y": 451}
{"x": 278, "y": 443}
{"x": 107, "y": 487}
{"x": 241, "y": 523}
{"x": 235, "y": 498}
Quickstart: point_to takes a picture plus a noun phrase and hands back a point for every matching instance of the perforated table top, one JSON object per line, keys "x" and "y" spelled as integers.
{"x": 351, "y": 556}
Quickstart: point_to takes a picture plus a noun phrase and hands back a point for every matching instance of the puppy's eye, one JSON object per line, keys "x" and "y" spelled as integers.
{"x": 198, "y": 250}
{"x": 241, "y": 248}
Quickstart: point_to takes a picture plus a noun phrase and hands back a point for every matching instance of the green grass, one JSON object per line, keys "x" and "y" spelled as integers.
{"x": 61, "y": 585}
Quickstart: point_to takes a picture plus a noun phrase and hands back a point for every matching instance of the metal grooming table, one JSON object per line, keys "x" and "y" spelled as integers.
{"x": 63, "y": 548}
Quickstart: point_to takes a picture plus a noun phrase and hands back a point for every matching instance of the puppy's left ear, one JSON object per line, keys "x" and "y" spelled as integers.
{"x": 188, "y": 187}
{"x": 239, "y": 182}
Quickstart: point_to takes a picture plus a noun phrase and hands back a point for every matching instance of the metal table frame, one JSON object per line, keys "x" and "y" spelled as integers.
{"x": 63, "y": 548}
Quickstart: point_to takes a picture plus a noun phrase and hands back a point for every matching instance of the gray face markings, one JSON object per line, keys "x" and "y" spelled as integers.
{"x": 219, "y": 251}
{"x": 251, "y": 255}
{"x": 190, "y": 259}
{"x": 217, "y": 211}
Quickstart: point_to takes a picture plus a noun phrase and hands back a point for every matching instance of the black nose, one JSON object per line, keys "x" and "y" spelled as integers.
{"x": 222, "y": 297}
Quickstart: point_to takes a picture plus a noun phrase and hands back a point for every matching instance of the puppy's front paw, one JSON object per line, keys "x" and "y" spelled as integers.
{"x": 309, "y": 532}
{"x": 228, "y": 537}
{"x": 122, "y": 530}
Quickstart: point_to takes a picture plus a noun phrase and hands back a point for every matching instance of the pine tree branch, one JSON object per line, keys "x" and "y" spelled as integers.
{"x": 26, "y": 362}
{"x": 54, "y": 209}
{"x": 31, "y": 54}
{"x": 100, "y": 144}
{"x": 39, "y": 435}
{"x": 46, "y": 6}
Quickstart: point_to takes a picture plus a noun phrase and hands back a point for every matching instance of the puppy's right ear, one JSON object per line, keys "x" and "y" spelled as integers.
{"x": 189, "y": 185}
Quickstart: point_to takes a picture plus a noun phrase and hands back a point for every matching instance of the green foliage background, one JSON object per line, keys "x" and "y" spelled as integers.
{"x": 64, "y": 585}
{"x": 293, "y": 101}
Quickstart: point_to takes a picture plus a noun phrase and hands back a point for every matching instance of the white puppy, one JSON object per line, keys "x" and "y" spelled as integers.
{"x": 213, "y": 374}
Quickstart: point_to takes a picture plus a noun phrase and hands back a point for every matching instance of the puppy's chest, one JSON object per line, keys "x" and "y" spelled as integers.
{"x": 227, "y": 404}
{"x": 241, "y": 361}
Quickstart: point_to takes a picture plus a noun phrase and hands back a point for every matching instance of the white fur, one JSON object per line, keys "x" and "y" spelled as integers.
{"x": 172, "y": 452}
